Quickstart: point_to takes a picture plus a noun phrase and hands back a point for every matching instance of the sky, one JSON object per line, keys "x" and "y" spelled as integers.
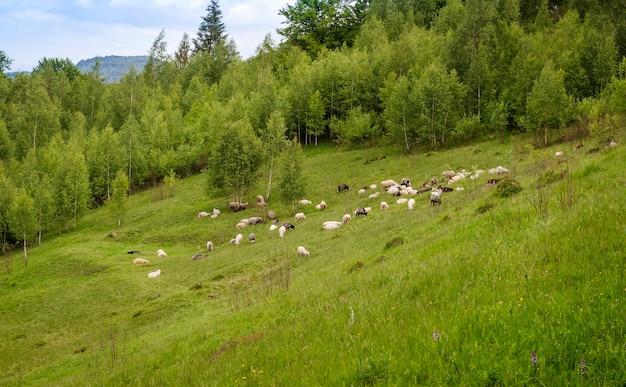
{"x": 83, "y": 29}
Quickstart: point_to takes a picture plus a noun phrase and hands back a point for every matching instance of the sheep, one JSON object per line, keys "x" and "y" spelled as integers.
{"x": 385, "y": 184}
{"x": 346, "y": 219}
{"x": 154, "y": 274}
{"x": 161, "y": 253}
{"x": 271, "y": 214}
{"x": 198, "y": 256}
{"x": 252, "y": 237}
{"x": 343, "y": 187}
{"x": 213, "y": 216}
{"x": 499, "y": 170}
{"x": 202, "y": 214}
{"x": 402, "y": 200}
{"x": 300, "y": 216}
{"x": 209, "y": 246}
{"x": 610, "y": 143}
{"x": 255, "y": 220}
{"x": 395, "y": 190}
{"x": 368, "y": 209}
{"x": 362, "y": 191}
{"x": 448, "y": 174}
{"x": 302, "y": 252}
{"x": 435, "y": 197}
{"x": 241, "y": 225}
{"x": 411, "y": 204}
{"x": 559, "y": 153}
{"x": 321, "y": 205}
{"x": 281, "y": 231}
{"x": 373, "y": 186}
{"x": 216, "y": 212}
{"x": 140, "y": 261}
{"x": 405, "y": 182}
{"x": 304, "y": 202}
{"x": 330, "y": 226}
{"x": 237, "y": 206}
{"x": 384, "y": 206}
{"x": 238, "y": 239}
{"x": 360, "y": 211}
{"x": 288, "y": 225}
{"x": 374, "y": 195}
{"x": 332, "y": 223}
{"x": 273, "y": 227}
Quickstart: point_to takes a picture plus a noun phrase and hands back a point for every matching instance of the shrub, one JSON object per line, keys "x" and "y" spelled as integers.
{"x": 507, "y": 188}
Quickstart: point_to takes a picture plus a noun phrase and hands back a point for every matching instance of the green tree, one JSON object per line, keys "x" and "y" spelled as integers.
{"x": 37, "y": 182}
{"x": 7, "y": 148}
{"x": 358, "y": 126}
{"x": 7, "y": 195}
{"x": 211, "y": 31}
{"x": 181, "y": 56}
{"x": 291, "y": 184}
{"x": 72, "y": 186}
{"x": 104, "y": 154}
{"x": 5, "y": 62}
{"x": 273, "y": 138}
{"x": 235, "y": 160}
{"x": 548, "y": 103}
{"x": 401, "y": 114}
{"x": 157, "y": 60}
{"x": 22, "y": 222}
{"x": 117, "y": 201}
{"x": 315, "y": 121}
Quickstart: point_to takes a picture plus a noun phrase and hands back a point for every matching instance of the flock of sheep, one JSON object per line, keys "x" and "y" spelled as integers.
{"x": 390, "y": 187}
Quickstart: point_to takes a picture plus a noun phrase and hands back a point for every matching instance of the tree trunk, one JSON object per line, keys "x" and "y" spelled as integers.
{"x": 25, "y": 252}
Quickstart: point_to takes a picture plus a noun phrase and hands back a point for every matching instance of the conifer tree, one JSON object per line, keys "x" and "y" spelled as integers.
{"x": 211, "y": 31}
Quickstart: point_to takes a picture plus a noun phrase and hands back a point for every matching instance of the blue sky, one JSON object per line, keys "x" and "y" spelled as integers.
{"x": 82, "y": 29}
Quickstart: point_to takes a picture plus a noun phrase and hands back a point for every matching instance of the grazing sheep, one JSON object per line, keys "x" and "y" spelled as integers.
{"x": 154, "y": 274}
{"x": 216, "y": 211}
{"x": 405, "y": 182}
{"x": 435, "y": 197}
{"x": 275, "y": 221}
{"x": 300, "y": 216}
{"x": 252, "y": 237}
{"x": 213, "y": 216}
{"x": 559, "y": 153}
{"x": 255, "y": 220}
{"x": 161, "y": 253}
{"x": 343, "y": 187}
{"x": 271, "y": 214}
{"x": 302, "y": 252}
{"x": 236, "y": 207}
{"x": 385, "y": 184}
{"x": 202, "y": 214}
{"x": 368, "y": 209}
{"x": 281, "y": 231}
{"x": 331, "y": 222}
{"x": 241, "y": 225}
{"x": 448, "y": 174}
{"x": 140, "y": 261}
{"x": 374, "y": 195}
{"x": 198, "y": 256}
{"x": 304, "y": 202}
{"x": 209, "y": 246}
{"x": 411, "y": 204}
{"x": 362, "y": 191}
{"x": 288, "y": 225}
{"x": 395, "y": 190}
{"x": 360, "y": 211}
{"x": 346, "y": 219}
{"x": 373, "y": 186}
{"x": 384, "y": 206}
{"x": 402, "y": 200}
{"x": 610, "y": 143}
{"x": 321, "y": 205}
{"x": 499, "y": 170}
{"x": 331, "y": 226}
{"x": 238, "y": 239}
{"x": 273, "y": 227}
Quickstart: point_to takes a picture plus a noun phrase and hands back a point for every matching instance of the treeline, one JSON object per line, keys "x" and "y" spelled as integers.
{"x": 421, "y": 74}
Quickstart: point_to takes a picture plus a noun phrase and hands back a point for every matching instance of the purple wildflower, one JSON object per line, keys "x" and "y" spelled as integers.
{"x": 435, "y": 335}
{"x": 533, "y": 358}
{"x": 582, "y": 366}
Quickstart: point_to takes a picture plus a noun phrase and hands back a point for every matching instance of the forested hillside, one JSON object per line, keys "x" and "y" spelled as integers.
{"x": 420, "y": 75}
{"x": 113, "y": 67}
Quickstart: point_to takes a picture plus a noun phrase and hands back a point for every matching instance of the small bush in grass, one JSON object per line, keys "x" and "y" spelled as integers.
{"x": 507, "y": 188}
{"x": 371, "y": 372}
{"x": 551, "y": 176}
{"x": 397, "y": 241}
{"x": 484, "y": 208}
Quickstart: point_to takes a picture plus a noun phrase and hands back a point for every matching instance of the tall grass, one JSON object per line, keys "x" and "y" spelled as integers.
{"x": 494, "y": 277}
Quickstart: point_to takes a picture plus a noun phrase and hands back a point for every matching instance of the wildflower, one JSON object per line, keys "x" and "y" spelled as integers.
{"x": 582, "y": 366}
{"x": 435, "y": 335}
{"x": 533, "y": 359}
{"x": 243, "y": 378}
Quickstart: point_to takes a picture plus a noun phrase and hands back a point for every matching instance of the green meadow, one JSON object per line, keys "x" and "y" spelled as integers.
{"x": 463, "y": 293}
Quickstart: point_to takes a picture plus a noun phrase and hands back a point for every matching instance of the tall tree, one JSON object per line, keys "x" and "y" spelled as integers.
{"x": 273, "y": 143}
{"x": 211, "y": 31}
{"x": 5, "y": 62}
{"x": 181, "y": 56}
{"x": 291, "y": 184}
{"x": 7, "y": 195}
{"x": 157, "y": 59}
{"x": 22, "y": 219}
{"x": 315, "y": 121}
{"x": 118, "y": 199}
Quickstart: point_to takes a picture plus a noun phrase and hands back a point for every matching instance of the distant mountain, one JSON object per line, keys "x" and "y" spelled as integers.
{"x": 112, "y": 66}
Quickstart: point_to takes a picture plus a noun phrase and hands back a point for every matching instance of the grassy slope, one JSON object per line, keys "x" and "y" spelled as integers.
{"x": 494, "y": 280}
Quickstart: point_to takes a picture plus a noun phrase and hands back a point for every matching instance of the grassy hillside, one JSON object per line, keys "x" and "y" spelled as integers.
{"x": 461, "y": 294}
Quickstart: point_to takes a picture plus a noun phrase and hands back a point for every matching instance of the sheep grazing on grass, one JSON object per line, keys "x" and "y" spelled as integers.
{"x": 288, "y": 225}
{"x": 374, "y": 195}
{"x": 559, "y": 153}
{"x": 386, "y": 184}
{"x": 435, "y": 197}
{"x": 384, "y": 206}
{"x": 255, "y": 220}
{"x": 346, "y": 219}
{"x": 610, "y": 143}
{"x": 161, "y": 253}
{"x": 499, "y": 170}
{"x": 271, "y": 214}
{"x": 140, "y": 261}
{"x": 373, "y": 186}
{"x": 260, "y": 201}
{"x": 281, "y": 231}
{"x": 202, "y": 214}
{"x": 238, "y": 239}
{"x": 405, "y": 182}
{"x": 209, "y": 246}
{"x": 342, "y": 187}
{"x": 411, "y": 204}
{"x": 154, "y": 274}
{"x": 304, "y": 202}
{"x": 302, "y": 252}
{"x": 402, "y": 200}
{"x": 331, "y": 225}
{"x": 395, "y": 190}
{"x": 252, "y": 237}
{"x": 321, "y": 205}
{"x": 273, "y": 227}
{"x": 360, "y": 211}
{"x": 236, "y": 207}
{"x": 300, "y": 216}
{"x": 362, "y": 191}
{"x": 216, "y": 212}
{"x": 198, "y": 256}
{"x": 332, "y": 222}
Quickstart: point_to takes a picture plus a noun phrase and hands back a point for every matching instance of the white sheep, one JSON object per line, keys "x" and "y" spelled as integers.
{"x": 332, "y": 222}
{"x": 161, "y": 253}
{"x": 395, "y": 190}
{"x": 216, "y": 211}
{"x": 331, "y": 226}
{"x": 302, "y": 252}
{"x": 240, "y": 225}
{"x": 499, "y": 170}
{"x": 202, "y": 214}
{"x": 140, "y": 261}
{"x": 402, "y": 200}
{"x": 300, "y": 216}
{"x": 238, "y": 239}
{"x": 368, "y": 209}
{"x": 273, "y": 227}
{"x": 411, "y": 204}
{"x": 384, "y": 206}
{"x": 281, "y": 231}
{"x": 209, "y": 246}
{"x": 435, "y": 197}
{"x": 213, "y": 216}
{"x": 362, "y": 191}
{"x": 559, "y": 153}
{"x": 448, "y": 174}
{"x": 346, "y": 219}
{"x": 304, "y": 202}
{"x": 373, "y": 186}
{"x": 154, "y": 274}
{"x": 321, "y": 205}
{"x": 385, "y": 184}
{"x": 374, "y": 195}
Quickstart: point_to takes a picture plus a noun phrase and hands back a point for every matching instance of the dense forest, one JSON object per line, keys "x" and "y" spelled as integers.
{"x": 421, "y": 74}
